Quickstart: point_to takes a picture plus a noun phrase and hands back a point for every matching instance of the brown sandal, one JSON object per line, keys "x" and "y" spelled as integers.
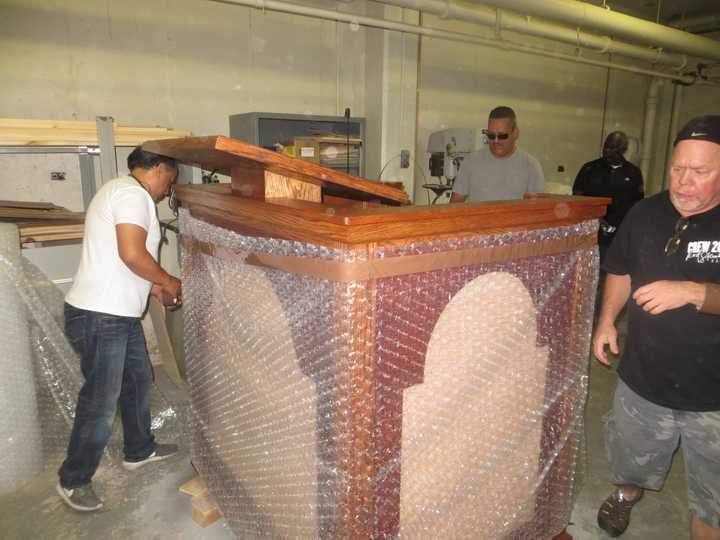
{"x": 614, "y": 514}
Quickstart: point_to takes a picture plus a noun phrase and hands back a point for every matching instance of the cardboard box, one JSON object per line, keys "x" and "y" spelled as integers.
{"x": 308, "y": 148}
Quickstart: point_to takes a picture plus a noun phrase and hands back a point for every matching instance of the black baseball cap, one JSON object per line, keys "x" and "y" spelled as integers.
{"x": 701, "y": 128}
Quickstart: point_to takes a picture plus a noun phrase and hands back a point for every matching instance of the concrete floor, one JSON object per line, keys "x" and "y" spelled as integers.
{"x": 658, "y": 516}
{"x": 140, "y": 505}
{"x": 146, "y": 504}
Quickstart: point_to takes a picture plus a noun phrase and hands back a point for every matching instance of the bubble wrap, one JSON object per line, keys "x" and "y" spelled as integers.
{"x": 20, "y": 451}
{"x": 41, "y": 376}
{"x": 440, "y": 404}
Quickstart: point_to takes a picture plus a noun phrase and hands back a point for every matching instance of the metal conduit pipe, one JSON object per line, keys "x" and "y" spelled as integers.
{"x": 526, "y": 25}
{"x": 284, "y": 7}
{"x": 585, "y": 15}
{"x": 696, "y": 23}
{"x": 649, "y": 127}
{"x": 674, "y": 122}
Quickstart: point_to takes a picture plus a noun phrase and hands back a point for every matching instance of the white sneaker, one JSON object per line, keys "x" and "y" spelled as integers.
{"x": 81, "y": 498}
{"x": 162, "y": 451}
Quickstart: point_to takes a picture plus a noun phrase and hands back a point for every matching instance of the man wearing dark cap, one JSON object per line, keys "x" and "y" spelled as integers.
{"x": 611, "y": 176}
{"x": 665, "y": 260}
{"x": 502, "y": 170}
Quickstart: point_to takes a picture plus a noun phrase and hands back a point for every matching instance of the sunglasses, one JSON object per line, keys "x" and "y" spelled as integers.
{"x": 673, "y": 243}
{"x": 492, "y": 136}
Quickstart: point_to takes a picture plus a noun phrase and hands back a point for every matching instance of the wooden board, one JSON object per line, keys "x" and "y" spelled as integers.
{"x": 345, "y": 226}
{"x": 194, "y": 487}
{"x": 34, "y": 213}
{"x": 50, "y": 231}
{"x": 30, "y": 204}
{"x": 42, "y": 221}
{"x": 224, "y": 154}
{"x": 169, "y": 361}
{"x": 283, "y": 187}
{"x": 205, "y": 511}
{"x": 32, "y": 132}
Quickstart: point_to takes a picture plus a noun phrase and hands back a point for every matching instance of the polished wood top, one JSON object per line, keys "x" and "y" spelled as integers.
{"x": 353, "y": 226}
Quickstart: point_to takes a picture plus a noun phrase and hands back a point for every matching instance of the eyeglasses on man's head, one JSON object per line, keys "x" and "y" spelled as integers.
{"x": 673, "y": 243}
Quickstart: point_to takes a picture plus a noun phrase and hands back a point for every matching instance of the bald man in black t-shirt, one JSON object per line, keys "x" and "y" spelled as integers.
{"x": 665, "y": 259}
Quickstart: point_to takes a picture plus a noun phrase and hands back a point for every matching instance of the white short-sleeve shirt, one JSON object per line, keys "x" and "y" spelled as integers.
{"x": 103, "y": 282}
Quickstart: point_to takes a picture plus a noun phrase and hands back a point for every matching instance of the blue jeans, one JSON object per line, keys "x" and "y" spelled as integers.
{"x": 116, "y": 367}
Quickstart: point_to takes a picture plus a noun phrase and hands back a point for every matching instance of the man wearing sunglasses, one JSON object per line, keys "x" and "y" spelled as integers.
{"x": 665, "y": 264}
{"x": 501, "y": 171}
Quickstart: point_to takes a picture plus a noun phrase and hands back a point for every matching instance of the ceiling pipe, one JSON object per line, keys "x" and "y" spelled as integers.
{"x": 648, "y": 135}
{"x": 616, "y": 24}
{"x": 678, "y": 90}
{"x": 525, "y": 25}
{"x": 285, "y": 7}
{"x": 697, "y": 23}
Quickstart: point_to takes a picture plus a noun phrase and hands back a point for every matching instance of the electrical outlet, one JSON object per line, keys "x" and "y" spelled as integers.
{"x": 404, "y": 159}
{"x": 57, "y": 175}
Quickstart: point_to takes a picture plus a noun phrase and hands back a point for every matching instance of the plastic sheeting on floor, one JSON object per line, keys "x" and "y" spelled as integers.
{"x": 41, "y": 375}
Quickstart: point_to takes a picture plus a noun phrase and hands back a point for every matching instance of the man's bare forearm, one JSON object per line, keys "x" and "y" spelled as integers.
{"x": 711, "y": 302}
{"x": 131, "y": 248}
{"x": 615, "y": 296}
{"x": 147, "y": 268}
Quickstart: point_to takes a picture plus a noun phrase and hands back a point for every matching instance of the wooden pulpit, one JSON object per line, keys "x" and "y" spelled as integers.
{"x": 361, "y": 368}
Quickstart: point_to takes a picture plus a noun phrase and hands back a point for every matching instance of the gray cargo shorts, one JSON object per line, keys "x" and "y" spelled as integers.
{"x": 641, "y": 438}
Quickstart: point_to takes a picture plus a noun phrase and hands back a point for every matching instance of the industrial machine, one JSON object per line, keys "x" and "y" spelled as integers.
{"x": 447, "y": 150}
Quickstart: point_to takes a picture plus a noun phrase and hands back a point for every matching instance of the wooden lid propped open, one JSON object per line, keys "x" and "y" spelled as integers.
{"x": 276, "y": 196}
{"x": 262, "y": 174}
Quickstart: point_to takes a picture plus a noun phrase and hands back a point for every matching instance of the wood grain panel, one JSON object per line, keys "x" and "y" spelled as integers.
{"x": 44, "y": 231}
{"x": 284, "y": 187}
{"x": 353, "y": 226}
{"x": 224, "y": 153}
{"x": 354, "y": 414}
{"x": 248, "y": 180}
{"x": 33, "y": 132}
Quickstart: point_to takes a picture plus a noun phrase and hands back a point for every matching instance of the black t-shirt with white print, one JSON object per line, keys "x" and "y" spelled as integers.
{"x": 671, "y": 359}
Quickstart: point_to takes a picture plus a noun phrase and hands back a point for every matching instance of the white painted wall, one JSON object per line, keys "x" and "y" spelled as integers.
{"x": 189, "y": 64}
{"x": 391, "y": 92}
{"x": 186, "y": 64}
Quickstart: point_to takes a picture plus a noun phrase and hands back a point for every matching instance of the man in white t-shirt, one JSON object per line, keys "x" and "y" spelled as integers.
{"x": 502, "y": 171}
{"x": 118, "y": 270}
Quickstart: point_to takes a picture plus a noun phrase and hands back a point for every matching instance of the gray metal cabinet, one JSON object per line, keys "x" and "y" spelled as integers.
{"x": 267, "y": 129}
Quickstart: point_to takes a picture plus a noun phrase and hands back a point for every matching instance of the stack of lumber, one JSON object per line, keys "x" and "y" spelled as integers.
{"x": 50, "y": 232}
{"x": 27, "y": 132}
{"x": 42, "y": 222}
